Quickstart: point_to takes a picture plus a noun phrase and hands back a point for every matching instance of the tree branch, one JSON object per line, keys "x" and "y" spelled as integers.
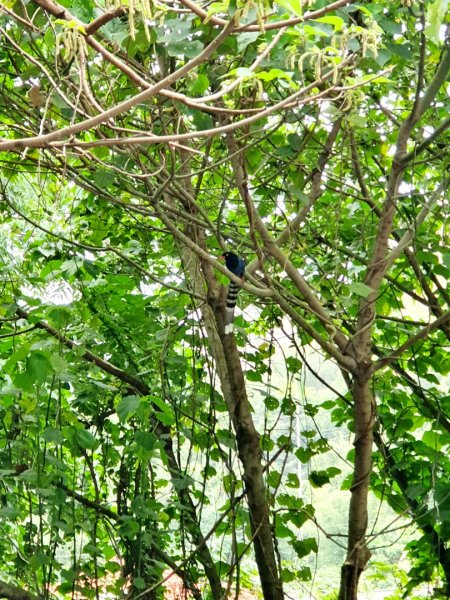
{"x": 428, "y": 141}
{"x": 404, "y": 242}
{"x": 308, "y": 16}
{"x": 420, "y": 335}
{"x": 106, "y": 366}
{"x": 440, "y": 77}
{"x": 313, "y": 303}
{"x": 106, "y": 17}
{"x": 12, "y": 592}
{"x": 71, "y": 130}
{"x": 315, "y": 192}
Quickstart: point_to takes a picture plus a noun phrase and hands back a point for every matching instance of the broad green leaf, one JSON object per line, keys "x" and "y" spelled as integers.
{"x": 51, "y": 434}
{"x": 39, "y": 366}
{"x": 320, "y": 478}
{"x": 127, "y": 407}
{"x": 436, "y": 12}
{"x": 86, "y": 440}
{"x": 16, "y": 357}
{"x": 360, "y": 289}
{"x": 246, "y": 38}
{"x": 103, "y": 177}
{"x": 274, "y": 479}
{"x": 292, "y": 6}
{"x": 337, "y": 22}
{"x": 273, "y": 74}
{"x": 198, "y": 85}
{"x": 433, "y": 439}
{"x": 146, "y": 439}
{"x": 293, "y": 481}
{"x": 305, "y": 547}
{"x": 59, "y": 316}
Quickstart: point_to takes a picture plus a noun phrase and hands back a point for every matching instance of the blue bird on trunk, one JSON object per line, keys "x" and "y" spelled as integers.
{"x": 236, "y": 265}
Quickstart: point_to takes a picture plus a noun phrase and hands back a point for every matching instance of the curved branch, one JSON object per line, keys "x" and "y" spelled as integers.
{"x": 407, "y": 238}
{"x": 420, "y": 335}
{"x": 71, "y": 130}
{"x": 13, "y": 592}
{"x": 440, "y": 77}
{"x": 428, "y": 141}
{"x": 316, "y": 14}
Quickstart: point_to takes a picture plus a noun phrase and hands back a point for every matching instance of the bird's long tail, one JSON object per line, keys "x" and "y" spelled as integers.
{"x": 232, "y": 295}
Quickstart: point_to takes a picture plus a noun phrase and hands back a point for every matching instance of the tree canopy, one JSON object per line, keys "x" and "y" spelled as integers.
{"x": 140, "y": 140}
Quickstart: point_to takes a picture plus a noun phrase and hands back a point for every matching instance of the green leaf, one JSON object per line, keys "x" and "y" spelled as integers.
{"x": 103, "y": 177}
{"x": 292, "y": 6}
{"x": 59, "y": 316}
{"x": 293, "y": 364}
{"x": 320, "y": 478}
{"x": 188, "y": 48}
{"x": 360, "y": 289}
{"x": 433, "y": 439}
{"x": 127, "y": 407}
{"x": 201, "y": 120}
{"x": 31, "y": 476}
{"x": 274, "y": 479}
{"x": 18, "y": 356}
{"x": 165, "y": 414}
{"x": 129, "y": 528}
{"x": 139, "y": 583}
{"x": 86, "y": 440}
{"x": 305, "y": 547}
{"x": 246, "y": 38}
{"x": 39, "y": 366}
{"x": 293, "y": 481}
{"x": 243, "y": 72}
{"x": 198, "y": 85}
{"x": 337, "y": 22}
{"x": 146, "y": 439}
{"x": 303, "y": 455}
{"x": 436, "y": 12}
{"x": 273, "y": 74}
{"x": 271, "y": 402}
{"x": 53, "y": 435}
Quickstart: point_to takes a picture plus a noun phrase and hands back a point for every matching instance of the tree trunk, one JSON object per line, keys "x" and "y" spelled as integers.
{"x": 232, "y": 381}
{"x": 357, "y": 552}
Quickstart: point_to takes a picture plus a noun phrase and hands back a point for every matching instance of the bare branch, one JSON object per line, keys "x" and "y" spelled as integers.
{"x": 308, "y": 16}
{"x": 67, "y": 132}
{"x": 440, "y": 77}
{"x": 106, "y": 17}
{"x": 404, "y": 242}
{"x": 313, "y": 304}
{"x": 12, "y": 592}
{"x": 428, "y": 141}
{"x": 421, "y": 335}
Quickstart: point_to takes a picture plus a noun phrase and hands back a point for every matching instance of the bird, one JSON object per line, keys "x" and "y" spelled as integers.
{"x": 236, "y": 265}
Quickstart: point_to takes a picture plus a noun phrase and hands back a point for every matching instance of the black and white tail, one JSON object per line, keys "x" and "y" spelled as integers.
{"x": 232, "y": 295}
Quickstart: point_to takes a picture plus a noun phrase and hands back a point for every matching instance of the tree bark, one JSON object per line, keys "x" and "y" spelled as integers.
{"x": 16, "y": 593}
{"x": 364, "y": 404}
{"x": 232, "y": 380}
{"x": 357, "y": 552}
